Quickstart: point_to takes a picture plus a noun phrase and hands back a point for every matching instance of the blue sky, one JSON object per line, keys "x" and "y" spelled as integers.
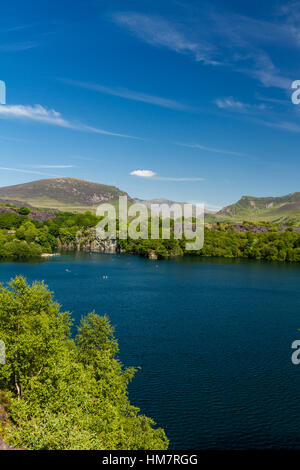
{"x": 188, "y": 100}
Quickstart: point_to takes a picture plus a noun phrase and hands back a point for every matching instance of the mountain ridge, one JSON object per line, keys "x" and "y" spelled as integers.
{"x": 284, "y": 208}
{"x": 77, "y": 194}
{"x": 63, "y": 193}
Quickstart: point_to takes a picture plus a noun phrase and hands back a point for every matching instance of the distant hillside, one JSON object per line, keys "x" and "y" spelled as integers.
{"x": 62, "y": 193}
{"x": 74, "y": 194}
{"x": 273, "y": 209}
{"x": 168, "y": 202}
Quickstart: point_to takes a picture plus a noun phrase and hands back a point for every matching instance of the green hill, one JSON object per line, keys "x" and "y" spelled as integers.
{"x": 73, "y": 194}
{"x": 63, "y": 193}
{"x": 281, "y": 209}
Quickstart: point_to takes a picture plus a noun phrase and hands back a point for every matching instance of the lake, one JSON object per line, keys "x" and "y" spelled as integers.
{"x": 212, "y": 336}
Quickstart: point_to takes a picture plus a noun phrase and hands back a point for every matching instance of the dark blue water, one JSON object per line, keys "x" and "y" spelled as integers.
{"x": 213, "y": 338}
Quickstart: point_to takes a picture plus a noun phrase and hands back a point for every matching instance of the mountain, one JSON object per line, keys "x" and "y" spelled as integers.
{"x": 63, "y": 193}
{"x": 167, "y": 202}
{"x": 79, "y": 195}
{"x": 272, "y": 209}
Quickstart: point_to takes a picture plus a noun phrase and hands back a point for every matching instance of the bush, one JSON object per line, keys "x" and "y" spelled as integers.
{"x": 24, "y": 210}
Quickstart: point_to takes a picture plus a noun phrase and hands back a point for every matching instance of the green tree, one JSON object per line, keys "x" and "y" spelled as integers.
{"x": 64, "y": 393}
{"x": 24, "y": 210}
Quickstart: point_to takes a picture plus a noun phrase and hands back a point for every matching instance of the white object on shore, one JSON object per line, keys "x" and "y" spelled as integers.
{"x": 49, "y": 255}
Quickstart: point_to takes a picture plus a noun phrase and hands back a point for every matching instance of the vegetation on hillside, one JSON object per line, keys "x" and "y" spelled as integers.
{"x": 22, "y": 237}
{"x": 225, "y": 242}
{"x": 273, "y": 209}
{"x": 57, "y": 392}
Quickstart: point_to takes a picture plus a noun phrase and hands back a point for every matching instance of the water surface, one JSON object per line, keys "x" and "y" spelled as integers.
{"x": 213, "y": 338}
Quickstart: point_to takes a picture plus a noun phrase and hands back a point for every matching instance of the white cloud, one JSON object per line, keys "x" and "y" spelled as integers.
{"x": 50, "y": 116}
{"x": 226, "y": 103}
{"x": 152, "y": 175}
{"x": 232, "y": 104}
{"x": 143, "y": 173}
{"x": 36, "y": 113}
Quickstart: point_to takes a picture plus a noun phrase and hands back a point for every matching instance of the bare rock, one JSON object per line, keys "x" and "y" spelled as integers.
{"x": 4, "y": 446}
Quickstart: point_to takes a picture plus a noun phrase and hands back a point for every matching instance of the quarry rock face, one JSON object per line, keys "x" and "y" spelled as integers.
{"x": 89, "y": 242}
{"x": 4, "y": 446}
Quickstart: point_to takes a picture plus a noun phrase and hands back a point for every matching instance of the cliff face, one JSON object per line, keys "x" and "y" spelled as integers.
{"x": 88, "y": 242}
{"x": 4, "y": 446}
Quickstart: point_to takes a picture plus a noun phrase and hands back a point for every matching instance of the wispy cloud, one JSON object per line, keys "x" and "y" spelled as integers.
{"x": 207, "y": 205}
{"x": 132, "y": 95}
{"x": 50, "y": 116}
{"x": 261, "y": 114}
{"x": 21, "y": 170}
{"x": 149, "y": 174}
{"x": 232, "y": 104}
{"x": 170, "y": 178}
{"x": 96, "y": 130}
{"x": 13, "y": 29}
{"x": 280, "y": 124}
{"x": 157, "y": 31}
{"x": 212, "y": 207}
{"x": 243, "y": 40}
{"x": 290, "y": 11}
{"x": 217, "y": 36}
{"x": 18, "y": 46}
{"x": 52, "y": 166}
{"x": 272, "y": 100}
{"x": 35, "y": 113}
{"x": 215, "y": 150}
{"x": 265, "y": 71}
{"x": 14, "y": 139}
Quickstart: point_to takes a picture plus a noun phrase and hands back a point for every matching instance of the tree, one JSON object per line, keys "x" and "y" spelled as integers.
{"x": 64, "y": 393}
{"x": 24, "y": 210}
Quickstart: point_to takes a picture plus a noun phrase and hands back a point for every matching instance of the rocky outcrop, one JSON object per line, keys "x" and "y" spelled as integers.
{"x": 34, "y": 214}
{"x": 255, "y": 228}
{"x": 152, "y": 254}
{"x": 89, "y": 242}
{"x": 4, "y": 446}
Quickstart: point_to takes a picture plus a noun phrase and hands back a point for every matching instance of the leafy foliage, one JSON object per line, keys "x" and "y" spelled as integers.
{"x": 225, "y": 242}
{"x": 22, "y": 237}
{"x": 64, "y": 393}
{"x": 24, "y": 210}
